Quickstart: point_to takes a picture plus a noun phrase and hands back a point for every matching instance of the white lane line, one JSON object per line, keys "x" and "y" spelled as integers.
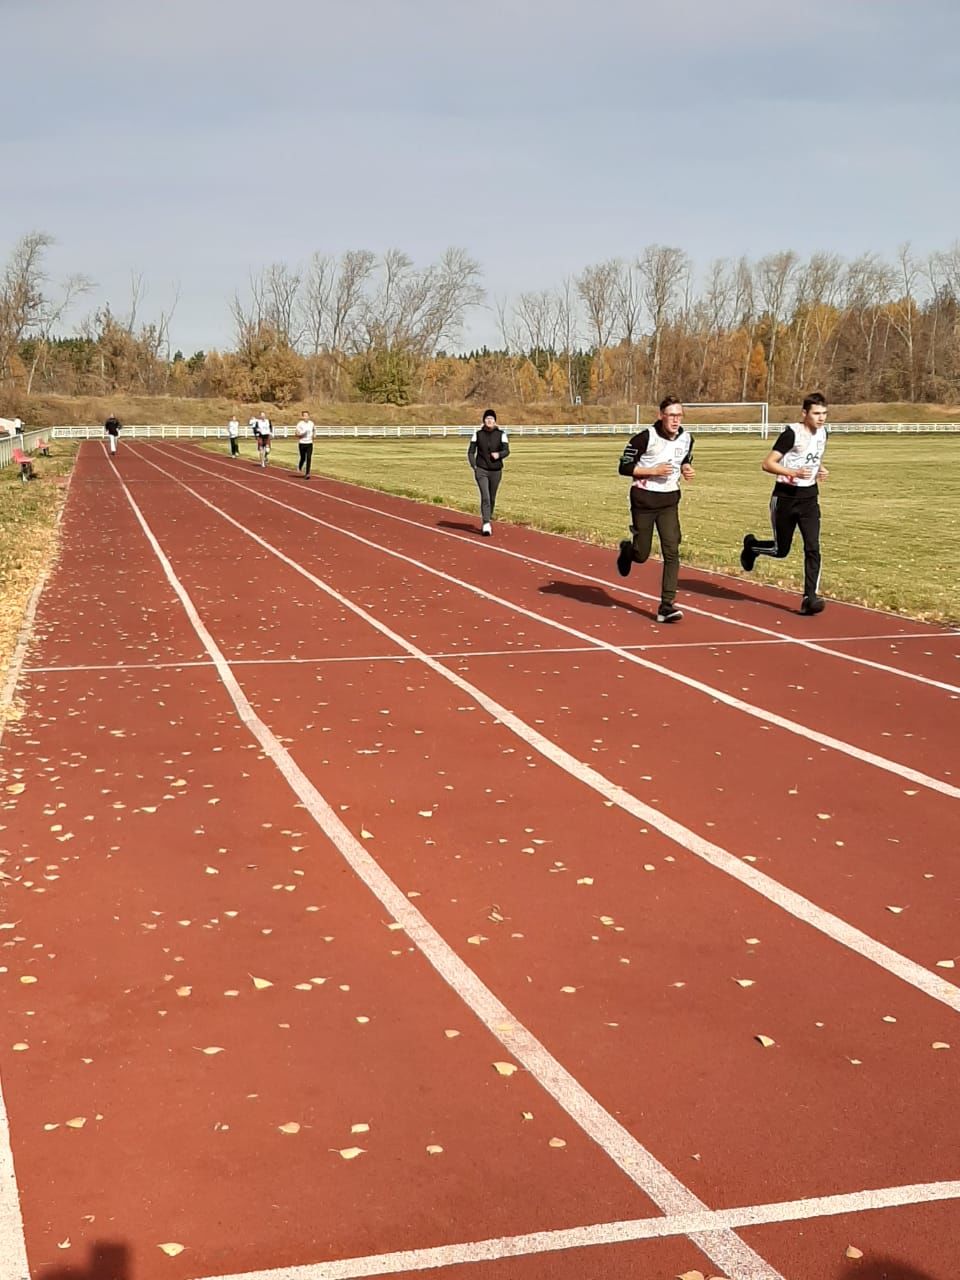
{"x": 899, "y": 770}
{"x": 724, "y": 1249}
{"x": 13, "y": 1245}
{"x": 606, "y": 1233}
{"x": 794, "y": 904}
{"x": 719, "y": 645}
{"x": 817, "y": 646}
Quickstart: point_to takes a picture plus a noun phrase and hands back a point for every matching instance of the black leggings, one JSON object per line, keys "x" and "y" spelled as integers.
{"x": 306, "y": 457}
{"x": 789, "y": 511}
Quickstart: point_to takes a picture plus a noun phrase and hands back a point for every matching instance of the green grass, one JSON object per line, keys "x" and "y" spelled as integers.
{"x": 28, "y": 514}
{"x": 891, "y": 508}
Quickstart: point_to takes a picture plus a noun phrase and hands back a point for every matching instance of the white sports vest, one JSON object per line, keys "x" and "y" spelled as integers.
{"x": 658, "y": 450}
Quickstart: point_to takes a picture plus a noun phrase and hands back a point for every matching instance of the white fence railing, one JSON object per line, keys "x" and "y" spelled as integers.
{"x": 175, "y": 432}
{"x": 25, "y": 440}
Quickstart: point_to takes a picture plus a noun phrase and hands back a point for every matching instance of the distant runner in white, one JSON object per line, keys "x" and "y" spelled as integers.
{"x": 233, "y": 431}
{"x": 305, "y": 430}
{"x": 796, "y": 460}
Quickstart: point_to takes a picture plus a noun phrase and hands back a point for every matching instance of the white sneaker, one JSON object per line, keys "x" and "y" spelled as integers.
{"x": 487, "y": 529}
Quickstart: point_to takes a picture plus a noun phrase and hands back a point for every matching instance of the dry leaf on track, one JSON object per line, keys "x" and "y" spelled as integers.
{"x": 765, "y": 1041}
{"x": 504, "y": 1068}
{"x": 291, "y": 1127}
{"x": 351, "y": 1153}
{"x": 853, "y": 1252}
{"x": 171, "y": 1249}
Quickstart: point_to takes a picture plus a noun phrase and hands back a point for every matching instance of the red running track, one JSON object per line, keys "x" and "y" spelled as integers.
{"x": 570, "y": 860}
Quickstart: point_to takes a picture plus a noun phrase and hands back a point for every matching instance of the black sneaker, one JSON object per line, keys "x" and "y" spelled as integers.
{"x": 669, "y": 613}
{"x": 625, "y": 558}
{"x": 748, "y": 556}
{"x": 812, "y": 604}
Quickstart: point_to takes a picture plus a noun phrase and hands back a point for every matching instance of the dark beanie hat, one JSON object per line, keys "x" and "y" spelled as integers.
{"x": 489, "y": 413}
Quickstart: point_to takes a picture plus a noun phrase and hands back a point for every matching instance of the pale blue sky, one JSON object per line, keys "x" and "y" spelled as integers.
{"x": 194, "y": 142}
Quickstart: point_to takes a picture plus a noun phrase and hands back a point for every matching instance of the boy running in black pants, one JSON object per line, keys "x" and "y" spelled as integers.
{"x": 656, "y": 459}
{"x": 797, "y": 462}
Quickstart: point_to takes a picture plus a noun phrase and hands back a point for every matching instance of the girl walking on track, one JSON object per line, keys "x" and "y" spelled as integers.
{"x": 796, "y": 460}
{"x": 656, "y": 459}
{"x": 488, "y": 448}
{"x": 305, "y": 430}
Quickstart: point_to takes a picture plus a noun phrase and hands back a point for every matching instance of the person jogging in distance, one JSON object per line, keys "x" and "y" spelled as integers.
{"x": 112, "y": 427}
{"x": 657, "y": 459}
{"x": 233, "y": 432}
{"x": 485, "y": 454}
{"x": 796, "y": 461}
{"x": 305, "y": 430}
{"x": 264, "y": 430}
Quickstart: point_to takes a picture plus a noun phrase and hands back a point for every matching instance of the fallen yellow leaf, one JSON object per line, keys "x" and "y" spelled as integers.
{"x": 434, "y": 1150}
{"x": 351, "y": 1153}
{"x": 171, "y": 1249}
{"x": 77, "y": 1122}
{"x": 556, "y": 1142}
{"x": 359, "y": 1128}
{"x": 211, "y": 1050}
{"x": 691, "y": 1275}
{"x": 504, "y": 1068}
{"x": 765, "y": 1041}
{"x": 450, "y": 1034}
{"x": 291, "y": 1127}
{"x": 744, "y": 982}
{"x": 261, "y": 984}
{"x": 17, "y": 788}
{"x": 939, "y": 1044}
{"x": 365, "y": 834}
{"x": 853, "y": 1251}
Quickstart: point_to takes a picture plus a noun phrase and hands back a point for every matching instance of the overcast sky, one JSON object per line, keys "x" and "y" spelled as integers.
{"x": 195, "y": 141}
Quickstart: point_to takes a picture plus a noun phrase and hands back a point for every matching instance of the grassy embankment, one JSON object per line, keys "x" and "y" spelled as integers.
{"x": 28, "y": 535}
{"x": 891, "y": 530}
{"x": 51, "y": 411}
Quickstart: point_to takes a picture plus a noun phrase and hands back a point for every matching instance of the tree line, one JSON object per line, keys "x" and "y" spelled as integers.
{"x": 379, "y": 328}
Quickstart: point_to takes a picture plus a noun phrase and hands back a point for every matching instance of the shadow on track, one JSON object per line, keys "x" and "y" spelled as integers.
{"x": 717, "y": 591}
{"x": 460, "y": 525}
{"x": 598, "y": 596}
{"x": 108, "y": 1261}
{"x": 886, "y": 1269}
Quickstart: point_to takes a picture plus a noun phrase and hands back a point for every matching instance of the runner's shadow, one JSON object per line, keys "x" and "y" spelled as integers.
{"x": 459, "y": 525}
{"x": 886, "y": 1269}
{"x": 108, "y": 1261}
{"x": 705, "y": 587}
{"x": 598, "y": 596}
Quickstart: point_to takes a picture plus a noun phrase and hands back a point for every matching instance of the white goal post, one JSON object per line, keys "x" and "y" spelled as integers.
{"x": 762, "y": 405}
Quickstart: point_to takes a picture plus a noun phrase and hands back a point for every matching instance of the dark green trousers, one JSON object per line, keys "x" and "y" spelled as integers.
{"x": 660, "y": 511}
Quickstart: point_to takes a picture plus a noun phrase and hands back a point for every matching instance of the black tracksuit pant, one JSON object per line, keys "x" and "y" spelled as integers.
{"x": 791, "y": 509}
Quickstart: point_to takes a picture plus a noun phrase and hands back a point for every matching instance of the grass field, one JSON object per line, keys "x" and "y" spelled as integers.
{"x": 28, "y": 515}
{"x": 891, "y": 508}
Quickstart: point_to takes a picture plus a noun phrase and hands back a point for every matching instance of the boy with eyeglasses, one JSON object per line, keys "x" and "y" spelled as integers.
{"x": 656, "y": 459}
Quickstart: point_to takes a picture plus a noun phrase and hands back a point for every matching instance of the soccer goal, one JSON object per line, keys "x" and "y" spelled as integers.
{"x": 761, "y": 405}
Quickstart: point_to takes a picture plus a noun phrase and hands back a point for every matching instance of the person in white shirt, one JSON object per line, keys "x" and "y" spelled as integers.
{"x": 233, "y": 431}
{"x": 305, "y": 430}
{"x": 796, "y": 462}
{"x": 656, "y": 460}
{"x": 264, "y": 431}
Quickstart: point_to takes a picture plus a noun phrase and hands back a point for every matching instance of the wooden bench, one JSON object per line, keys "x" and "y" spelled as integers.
{"x": 22, "y": 461}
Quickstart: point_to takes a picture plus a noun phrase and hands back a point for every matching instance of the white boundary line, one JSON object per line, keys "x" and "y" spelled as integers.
{"x": 899, "y": 770}
{"x": 723, "y": 1248}
{"x": 607, "y": 1233}
{"x": 454, "y": 653}
{"x": 817, "y": 646}
{"x": 794, "y": 904}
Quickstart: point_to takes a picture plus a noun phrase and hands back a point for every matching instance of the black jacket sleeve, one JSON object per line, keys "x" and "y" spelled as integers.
{"x": 635, "y": 448}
